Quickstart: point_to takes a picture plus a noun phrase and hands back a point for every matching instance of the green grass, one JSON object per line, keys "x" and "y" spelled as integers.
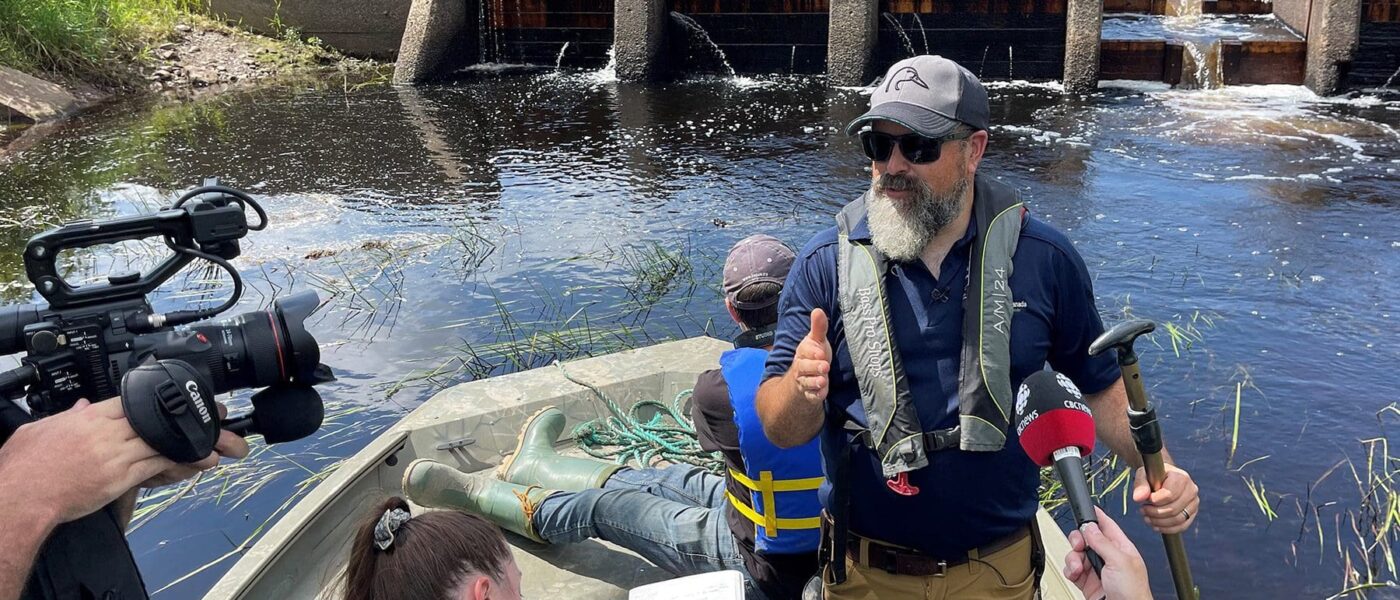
{"x": 84, "y": 38}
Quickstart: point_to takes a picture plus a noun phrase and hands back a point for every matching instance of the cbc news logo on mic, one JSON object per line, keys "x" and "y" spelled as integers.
{"x": 1064, "y": 383}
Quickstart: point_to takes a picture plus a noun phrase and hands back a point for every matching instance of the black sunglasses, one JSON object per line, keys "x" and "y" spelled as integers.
{"x": 916, "y": 148}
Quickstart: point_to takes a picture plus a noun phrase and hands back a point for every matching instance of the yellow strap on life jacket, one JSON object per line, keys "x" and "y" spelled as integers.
{"x": 777, "y": 524}
{"x": 778, "y": 485}
{"x": 767, "y": 487}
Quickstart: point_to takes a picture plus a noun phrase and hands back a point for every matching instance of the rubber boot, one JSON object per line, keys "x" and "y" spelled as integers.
{"x": 535, "y": 462}
{"x": 436, "y": 485}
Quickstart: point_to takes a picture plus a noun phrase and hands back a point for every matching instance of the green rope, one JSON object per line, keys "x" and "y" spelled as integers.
{"x": 625, "y": 437}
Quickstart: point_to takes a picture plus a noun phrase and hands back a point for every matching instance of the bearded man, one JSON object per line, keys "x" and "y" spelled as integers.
{"x": 902, "y": 332}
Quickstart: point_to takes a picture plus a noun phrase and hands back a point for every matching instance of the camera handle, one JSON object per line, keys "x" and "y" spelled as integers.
{"x": 171, "y": 406}
{"x": 193, "y": 227}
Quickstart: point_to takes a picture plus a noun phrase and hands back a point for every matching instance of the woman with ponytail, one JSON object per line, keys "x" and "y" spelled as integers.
{"x": 438, "y": 555}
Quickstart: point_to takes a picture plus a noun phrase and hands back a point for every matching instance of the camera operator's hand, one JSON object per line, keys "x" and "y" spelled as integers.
{"x": 62, "y": 468}
{"x": 230, "y": 445}
{"x": 75, "y": 462}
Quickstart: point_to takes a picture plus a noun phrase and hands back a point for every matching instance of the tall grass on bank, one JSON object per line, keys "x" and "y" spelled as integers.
{"x": 84, "y": 38}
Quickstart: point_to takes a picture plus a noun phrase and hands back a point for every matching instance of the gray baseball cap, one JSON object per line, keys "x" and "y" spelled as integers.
{"x": 928, "y": 94}
{"x": 755, "y": 259}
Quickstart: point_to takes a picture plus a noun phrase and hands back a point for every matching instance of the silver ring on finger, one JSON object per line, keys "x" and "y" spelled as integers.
{"x": 1187, "y": 514}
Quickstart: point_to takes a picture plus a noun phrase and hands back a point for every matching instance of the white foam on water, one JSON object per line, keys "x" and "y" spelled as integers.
{"x": 1358, "y": 150}
{"x": 1278, "y": 96}
{"x": 744, "y": 82}
{"x": 1015, "y": 84}
{"x": 1284, "y": 112}
{"x": 1256, "y": 176}
{"x": 1135, "y": 85}
{"x": 1043, "y": 136}
{"x": 864, "y": 90}
{"x": 495, "y": 67}
{"x": 1023, "y": 129}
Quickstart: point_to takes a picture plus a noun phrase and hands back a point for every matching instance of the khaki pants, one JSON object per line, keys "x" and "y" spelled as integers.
{"x": 1004, "y": 575}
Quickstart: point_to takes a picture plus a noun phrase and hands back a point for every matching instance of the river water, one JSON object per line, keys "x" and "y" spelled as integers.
{"x": 507, "y": 219}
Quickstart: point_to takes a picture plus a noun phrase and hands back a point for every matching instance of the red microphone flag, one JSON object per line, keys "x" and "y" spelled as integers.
{"x": 1050, "y": 415}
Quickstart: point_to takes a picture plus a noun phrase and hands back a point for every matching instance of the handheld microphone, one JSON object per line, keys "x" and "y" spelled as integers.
{"x": 1057, "y": 428}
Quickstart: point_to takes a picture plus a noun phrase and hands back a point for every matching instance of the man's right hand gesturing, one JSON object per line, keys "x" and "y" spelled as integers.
{"x": 812, "y": 361}
{"x": 793, "y": 407}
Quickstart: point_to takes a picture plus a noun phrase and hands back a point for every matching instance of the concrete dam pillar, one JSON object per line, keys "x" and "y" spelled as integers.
{"x": 1083, "y": 28}
{"x": 1333, "y": 34}
{"x": 639, "y": 35}
{"x": 850, "y": 41}
{"x": 436, "y": 39}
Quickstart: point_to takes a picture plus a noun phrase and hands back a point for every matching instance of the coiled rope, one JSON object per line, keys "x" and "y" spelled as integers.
{"x": 626, "y": 437}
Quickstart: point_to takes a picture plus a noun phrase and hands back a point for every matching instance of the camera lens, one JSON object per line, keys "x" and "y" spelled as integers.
{"x": 258, "y": 349}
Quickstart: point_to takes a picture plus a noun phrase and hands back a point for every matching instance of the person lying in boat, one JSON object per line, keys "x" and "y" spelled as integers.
{"x": 1124, "y": 574}
{"x": 680, "y": 517}
{"x": 440, "y": 554}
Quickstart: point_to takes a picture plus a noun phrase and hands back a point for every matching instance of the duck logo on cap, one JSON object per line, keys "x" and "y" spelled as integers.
{"x": 905, "y": 75}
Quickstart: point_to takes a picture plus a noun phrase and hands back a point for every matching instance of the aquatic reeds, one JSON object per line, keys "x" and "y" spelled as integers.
{"x": 1363, "y": 530}
{"x": 520, "y": 336}
{"x": 1373, "y": 524}
{"x": 655, "y": 271}
{"x": 364, "y": 282}
{"x": 578, "y": 322}
{"x": 1105, "y": 476}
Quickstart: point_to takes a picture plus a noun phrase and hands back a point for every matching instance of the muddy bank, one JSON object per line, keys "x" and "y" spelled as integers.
{"x": 199, "y": 56}
{"x": 205, "y": 53}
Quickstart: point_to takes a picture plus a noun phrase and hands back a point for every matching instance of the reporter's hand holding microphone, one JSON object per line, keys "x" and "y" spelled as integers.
{"x": 1124, "y": 575}
{"x": 1056, "y": 428}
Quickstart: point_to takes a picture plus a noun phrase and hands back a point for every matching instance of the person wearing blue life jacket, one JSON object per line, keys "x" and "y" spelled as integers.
{"x": 902, "y": 331}
{"x": 761, "y": 518}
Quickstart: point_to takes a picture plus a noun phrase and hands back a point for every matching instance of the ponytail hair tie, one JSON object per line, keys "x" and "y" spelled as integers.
{"x": 389, "y": 524}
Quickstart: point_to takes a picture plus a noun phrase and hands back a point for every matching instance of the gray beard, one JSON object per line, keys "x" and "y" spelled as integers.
{"x": 901, "y": 234}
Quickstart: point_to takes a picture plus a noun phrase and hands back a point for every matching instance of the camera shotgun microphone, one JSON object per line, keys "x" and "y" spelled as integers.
{"x": 1056, "y": 427}
{"x": 281, "y": 413}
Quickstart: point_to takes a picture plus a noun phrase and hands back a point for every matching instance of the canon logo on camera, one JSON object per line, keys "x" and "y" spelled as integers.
{"x": 193, "y": 389}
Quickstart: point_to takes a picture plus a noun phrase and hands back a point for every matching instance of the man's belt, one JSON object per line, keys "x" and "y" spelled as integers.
{"x": 903, "y": 561}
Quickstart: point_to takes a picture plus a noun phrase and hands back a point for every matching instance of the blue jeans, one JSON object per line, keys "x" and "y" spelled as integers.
{"x": 672, "y": 516}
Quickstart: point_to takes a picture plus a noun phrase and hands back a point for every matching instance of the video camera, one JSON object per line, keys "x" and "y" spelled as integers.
{"x": 102, "y": 340}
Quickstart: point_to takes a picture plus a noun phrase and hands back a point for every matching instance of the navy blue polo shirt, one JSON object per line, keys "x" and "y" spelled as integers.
{"x": 966, "y": 499}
